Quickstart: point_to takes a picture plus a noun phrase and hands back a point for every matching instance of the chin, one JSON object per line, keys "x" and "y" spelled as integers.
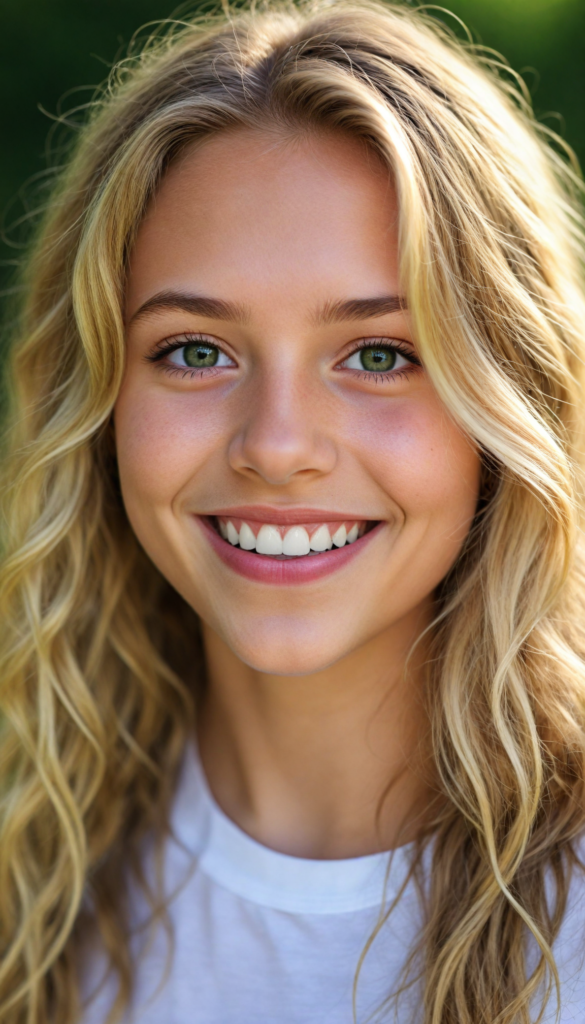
{"x": 286, "y": 651}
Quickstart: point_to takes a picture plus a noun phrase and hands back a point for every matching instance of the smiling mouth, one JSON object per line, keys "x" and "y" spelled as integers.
{"x": 299, "y": 540}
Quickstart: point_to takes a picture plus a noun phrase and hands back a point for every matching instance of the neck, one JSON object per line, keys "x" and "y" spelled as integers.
{"x": 325, "y": 765}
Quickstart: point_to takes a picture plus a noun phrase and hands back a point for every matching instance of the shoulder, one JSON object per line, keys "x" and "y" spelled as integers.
{"x": 572, "y": 932}
{"x": 569, "y": 948}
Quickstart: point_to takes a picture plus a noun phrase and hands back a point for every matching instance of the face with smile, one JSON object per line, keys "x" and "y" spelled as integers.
{"x": 283, "y": 456}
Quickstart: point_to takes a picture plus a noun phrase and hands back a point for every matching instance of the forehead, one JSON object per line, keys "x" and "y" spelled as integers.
{"x": 245, "y": 214}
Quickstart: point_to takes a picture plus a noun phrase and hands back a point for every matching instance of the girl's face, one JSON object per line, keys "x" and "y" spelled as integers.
{"x": 284, "y": 458}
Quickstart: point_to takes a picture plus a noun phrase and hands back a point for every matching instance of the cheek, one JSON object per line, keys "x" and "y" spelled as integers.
{"x": 420, "y": 458}
{"x": 162, "y": 439}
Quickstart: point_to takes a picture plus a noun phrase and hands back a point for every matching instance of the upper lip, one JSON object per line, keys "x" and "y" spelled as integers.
{"x": 286, "y": 516}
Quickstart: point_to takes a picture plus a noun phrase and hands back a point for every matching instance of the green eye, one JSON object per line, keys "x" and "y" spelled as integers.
{"x": 377, "y": 359}
{"x": 199, "y": 355}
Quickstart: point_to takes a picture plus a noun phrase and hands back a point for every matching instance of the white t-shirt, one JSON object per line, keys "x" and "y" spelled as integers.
{"x": 264, "y": 938}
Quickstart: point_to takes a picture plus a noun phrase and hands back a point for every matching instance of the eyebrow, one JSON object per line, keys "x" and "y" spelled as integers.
{"x": 198, "y": 305}
{"x": 219, "y": 309}
{"x": 360, "y": 309}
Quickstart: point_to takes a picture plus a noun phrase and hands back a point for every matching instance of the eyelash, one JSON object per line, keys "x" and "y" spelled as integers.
{"x": 395, "y": 346}
{"x": 166, "y": 348}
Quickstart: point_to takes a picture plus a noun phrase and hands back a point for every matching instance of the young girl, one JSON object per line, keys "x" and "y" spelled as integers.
{"x": 293, "y": 680}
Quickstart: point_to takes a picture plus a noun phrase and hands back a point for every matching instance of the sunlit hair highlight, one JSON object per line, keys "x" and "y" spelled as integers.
{"x": 95, "y": 711}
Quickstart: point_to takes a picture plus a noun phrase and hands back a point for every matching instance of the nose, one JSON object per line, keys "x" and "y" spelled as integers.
{"x": 283, "y": 434}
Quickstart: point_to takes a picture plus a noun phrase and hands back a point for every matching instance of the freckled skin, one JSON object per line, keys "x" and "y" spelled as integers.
{"x": 283, "y": 229}
{"x": 308, "y": 712}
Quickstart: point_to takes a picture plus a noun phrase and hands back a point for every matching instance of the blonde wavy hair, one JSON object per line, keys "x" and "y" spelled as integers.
{"x": 95, "y": 711}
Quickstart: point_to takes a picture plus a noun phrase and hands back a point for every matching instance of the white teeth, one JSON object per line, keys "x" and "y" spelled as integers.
{"x": 247, "y": 538}
{"x": 296, "y": 541}
{"x": 340, "y": 536}
{"x": 268, "y": 541}
{"x": 232, "y": 534}
{"x": 321, "y": 539}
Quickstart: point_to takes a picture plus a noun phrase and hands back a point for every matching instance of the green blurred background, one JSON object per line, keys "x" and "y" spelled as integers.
{"x": 51, "y": 48}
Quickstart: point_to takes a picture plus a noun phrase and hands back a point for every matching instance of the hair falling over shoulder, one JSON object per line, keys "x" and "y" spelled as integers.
{"x": 95, "y": 711}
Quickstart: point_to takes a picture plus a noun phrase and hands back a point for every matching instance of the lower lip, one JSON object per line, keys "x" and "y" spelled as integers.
{"x": 284, "y": 572}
